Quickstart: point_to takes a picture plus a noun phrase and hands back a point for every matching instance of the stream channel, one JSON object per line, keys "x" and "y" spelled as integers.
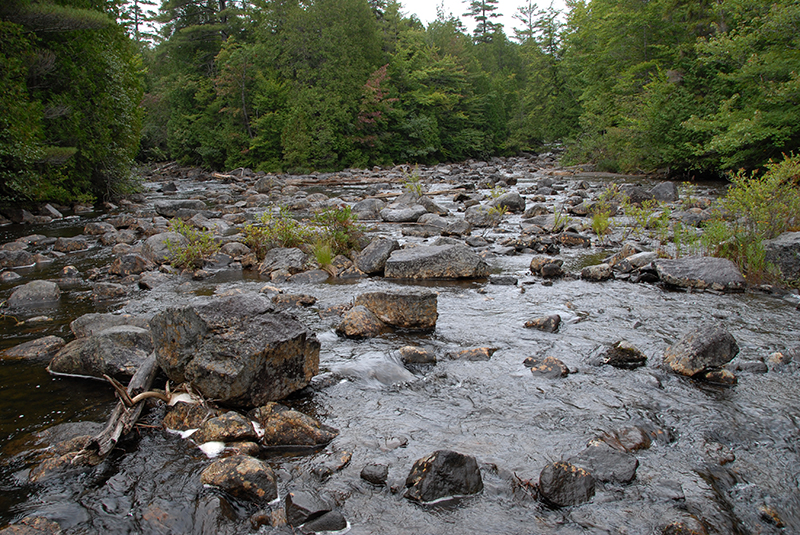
{"x": 726, "y": 456}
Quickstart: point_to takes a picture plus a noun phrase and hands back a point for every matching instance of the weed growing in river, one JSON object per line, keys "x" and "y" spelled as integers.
{"x": 276, "y": 230}
{"x": 201, "y": 245}
{"x": 339, "y": 228}
{"x": 412, "y": 182}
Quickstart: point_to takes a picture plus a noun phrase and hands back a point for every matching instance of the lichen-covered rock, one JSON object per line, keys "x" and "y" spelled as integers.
{"x": 228, "y": 427}
{"x": 157, "y": 247}
{"x": 291, "y": 259}
{"x": 436, "y": 262}
{"x": 563, "y": 484}
{"x": 116, "y": 351}
{"x": 599, "y": 272}
{"x": 35, "y": 293}
{"x": 700, "y": 350}
{"x": 32, "y": 525}
{"x": 405, "y": 311}
{"x": 548, "y": 324}
{"x": 130, "y": 264}
{"x": 283, "y": 426}
{"x": 548, "y": 367}
{"x": 236, "y": 350}
{"x": 244, "y": 477}
{"x": 443, "y": 474}
{"x": 701, "y": 272}
{"x": 625, "y": 355}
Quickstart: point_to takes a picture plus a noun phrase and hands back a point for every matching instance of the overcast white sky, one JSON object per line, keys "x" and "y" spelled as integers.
{"x": 426, "y": 10}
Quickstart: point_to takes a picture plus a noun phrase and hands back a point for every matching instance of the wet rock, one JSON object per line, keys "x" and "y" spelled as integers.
{"x": 70, "y": 245}
{"x": 228, "y": 427}
{"x": 332, "y": 462}
{"x": 7, "y": 277}
{"x": 535, "y": 210}
{"x": 170, "y": 208}
{"x": 283, "y": 426}
{"x": 432, "y": 207}
{"x": 369, "y": 209}
{"x": 624, "y": 355}
{"x": 443, "y": 474}
{"x": 157, "y": 247}
{"x": 98, "y": 228}
{"x": 701, "y": 349}
{"x": 574, "y": 239}
{"x": 35, "y": 293}
{"x": 416, "y": 355}
{"x": 417, "y": 312}
{"x": 403, "y": 214}
{"x": 563, "y": 484}
{"x": 291, "y": 260}
{"x": 303, "y": 506}
{"x": 436, "y": 262}
{"x": 512, "y": 201}
{"x": 600, "y": 272}
{"x": 372, "y": 259}
{"x": 503, "y": 280}
{"x": 117, "y": 352}
{"x": 108, "y": 290}
{"x": 548, "y": 324}
{"x": 235, "y": 249}
{"x": 236, "y": 349}
{"x": 328, "y": 522}
{"x": 701, "y": 272}
{"x": 548, "y": 367}
{"x": 752, "y": 366}
{"x": 482, "y": 216}
{"x": 607, "y": 464}
{"x": 688, "y": 525}
{"x": 474, "y": 354}
{"x": 93, "y": 323}
{"x": 153, "y": 279}
{"x": 636, "y": 261}
{"x": 314, "y": 276}
{"x": 784, "y": 252}
{"x": 552, "y": 271}
{"x": 130, "y": 264}
{"x": 294, "y": 300}
{"x": 42, "y": 349}
{"x": 243, "y": 477}
{"x": 539, "y": 262}
{"x": 375, "y": 473}
{"x": 32, "y": 525}
{"x": 182, "y": 416}
{"x": 360, "y": 322}
{"x": 462, "y": 227}
{"x": 13, "y": 259}
{"x": 665, "y": 192}
{"x": 719, "y": 376}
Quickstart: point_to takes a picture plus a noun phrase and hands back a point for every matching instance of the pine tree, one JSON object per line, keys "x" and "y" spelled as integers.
{"x": 483, "y": 11}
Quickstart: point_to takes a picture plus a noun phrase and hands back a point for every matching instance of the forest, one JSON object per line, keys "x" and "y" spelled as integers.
{"x": 88, "y": 88}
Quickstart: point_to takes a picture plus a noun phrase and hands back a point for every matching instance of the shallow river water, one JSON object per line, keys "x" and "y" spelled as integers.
{"x": 729, "y": 456}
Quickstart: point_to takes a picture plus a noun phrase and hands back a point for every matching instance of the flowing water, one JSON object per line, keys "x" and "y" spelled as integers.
{"x": 496, "y": 410}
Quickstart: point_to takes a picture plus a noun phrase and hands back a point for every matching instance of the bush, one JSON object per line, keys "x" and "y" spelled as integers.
{"x": 276, "y": 230}
{"x": 339, "y": 228}
{"x": 201, "y": 246}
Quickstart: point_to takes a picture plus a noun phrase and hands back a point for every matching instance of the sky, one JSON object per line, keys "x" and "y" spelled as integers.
{"x": 426, "y": 11}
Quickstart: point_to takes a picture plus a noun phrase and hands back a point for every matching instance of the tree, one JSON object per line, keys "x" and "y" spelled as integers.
{"x": 483, "y": 11}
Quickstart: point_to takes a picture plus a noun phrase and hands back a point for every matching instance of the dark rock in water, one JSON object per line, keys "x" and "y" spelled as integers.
{"x": 130, "y": 264}
{"x": 600, "y": 272}
{"x": 314, "y": 276}
{"x": 416, "y": 312}
{"x": 752, "y": 366}
{"x": 443, "y": 474}
{"x": 170, "y": 208}
{"x": 500, "y": 280}
{"x": 624, "y": 355}
{"x": 574, "y": 239}
{"x": 375, "y": 473}
{"x": 330, "y": 521}
{"x": 416, "y": 355}
{"x": 552, "y": 271}
{"x": 242, "y": 476}
{"x": 687, "y": 525}
{"x": 12, "y": 259}
{"x": 474, "y": 354}
{"x": 665, "y": 192}
{"x": 701, "y": 349}
{"x": 98, "y": 228}
{"x": 184, "y": 416}
{"x": 236, "y": 349}
{"x": 702, "y": 272}
{"x": 286, "y": 427}
{"x": 93, "y": 323}
{"x": 70, "y": 245}
{"x": 372, "y": 259}
{"x": 228, "y": 427}
{"x": 32, "y": 525}
{"x": 538, "y": 263}
{"x": 292, "y": 260}
{"x": 108, "y": 290}
{"x": 548, "y": 324}
{"x": 719, "y": 376}
{"x": 563, "y": 484}
{"x": 436, "y": 262}
{"x": 157, "y": 247}
{"x": 360, "y": 322}
{"x": 607, "y": 464}
{"x": 116, "y": 351}
{"x": 35, "y": 293}
{"x": 42, "y": 349}
{"x": 784, "y": 252}
{"x": 549, "y": 367}
{"x": 303, "y": 506}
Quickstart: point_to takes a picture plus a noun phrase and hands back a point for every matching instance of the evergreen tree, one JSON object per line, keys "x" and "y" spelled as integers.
{"x": 483, "y": 11}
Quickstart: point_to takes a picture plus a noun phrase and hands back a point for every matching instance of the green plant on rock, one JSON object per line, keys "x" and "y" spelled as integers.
{"x": 646, "y": 216}
{"x": 323, "y": 254}
{"x": 412, "y": 182}
{"x": 339, "y": 227}
{"x": 497, "y": 192}
{"x": 601, "y": 223}
{"x": 201, "y": 245}
{"x": 560, "y": 218}
{"x": 497, "y": 213}
{"x": 276, "y": 230}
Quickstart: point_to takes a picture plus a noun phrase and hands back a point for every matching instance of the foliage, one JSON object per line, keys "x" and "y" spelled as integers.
{"x": 323, "y": 254}
{"x": 201, "y": 245}
{"x": 276, "y": 230}
{"x": 339, "y": 228}
{"x": 412, "y": 182}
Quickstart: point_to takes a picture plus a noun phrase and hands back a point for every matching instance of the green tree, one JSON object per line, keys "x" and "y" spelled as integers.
{"x": 483, "y": 11}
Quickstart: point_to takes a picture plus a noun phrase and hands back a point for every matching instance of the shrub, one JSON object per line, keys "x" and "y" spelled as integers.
{"x": 276, "y": 230}
{"x": 339, "y": 228}
{"x": 192, "y": 255}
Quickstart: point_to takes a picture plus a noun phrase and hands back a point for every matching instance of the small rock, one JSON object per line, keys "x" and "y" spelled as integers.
{"x": 286, "y": 427}
{"x": 303, "y": 506}
{"x": 443, "y": 474}
{"x": 375, "y": 473}
{"x": 624, "y": 355}
{"x": 32, "y": 525}
{"x": 242, "y": 476}
{"x": 228, "y": 427}
{"x": 563, "y": 484}
{"x": 598, "y": 273}
{"x": 360, "y": 322}
{"x": 548, "y": 367}
{"x": 701, "y": 349}
{"x": 416, "y": 355}
{"x": 474, "y": 354}
{"x": 549, "y": 324}
{"x": 326, "y": 523}
{"x": 41, "y": 349}
{"x": 35, "y": 293}
{"x": 184, "y": 416}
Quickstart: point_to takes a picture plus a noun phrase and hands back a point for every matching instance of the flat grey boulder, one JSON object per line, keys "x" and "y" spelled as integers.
{"x": 702, "y": 349}
{"x": 405, "y": 311}
{"x": 482, "y": 216}
{"x": 12, "y": 259}
{"x": 288, "y": 259}
{"x": 171, "y": 207}
{"x": 372, "y": 259}
{"x": 41, "y": 349}
{"x": 403, "y": 214}
{"x": 117, "y": 352}
{"x": 701, "y": 272}
{"x": 436, "y": 262}
{"x": 236, "y": 350}
{"x": 93, "y": 323}
{"x": 157, "y": 247}
{"x": 35, "y": 293}
{"x": 784, "y": 252}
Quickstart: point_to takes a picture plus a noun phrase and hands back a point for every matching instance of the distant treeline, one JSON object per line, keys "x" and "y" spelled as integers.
{"x": 696, "y": 87}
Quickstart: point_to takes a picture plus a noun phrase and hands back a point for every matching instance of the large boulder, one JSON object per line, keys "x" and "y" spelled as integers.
{"x": 244, "y": 477}
{"x": 35, "y": 293}
{"x": 289, "y": 259}
{"x": 511, "y": 201}
{"x": 172, "y": 207}
{"x": 373, "y": 258}
{"x": 701, "y": 272}
{"x": 157, "y": 247}
{"x": 117, "y": 351}
{"x": 403, "y": 214}
{"x": 93, "y": 323}
{"x": 784, "y": 252}
{"x": 405, "y": 311}
{"x": 703, "y": 349}
{"x": 360, "y": 322}
{"x": 443, "y": 474}
{"x": 12, "y": 259}
{"x": 369, "y": 209}
{"x": 436, "y": 262}
{"x": 236, "y": 350}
